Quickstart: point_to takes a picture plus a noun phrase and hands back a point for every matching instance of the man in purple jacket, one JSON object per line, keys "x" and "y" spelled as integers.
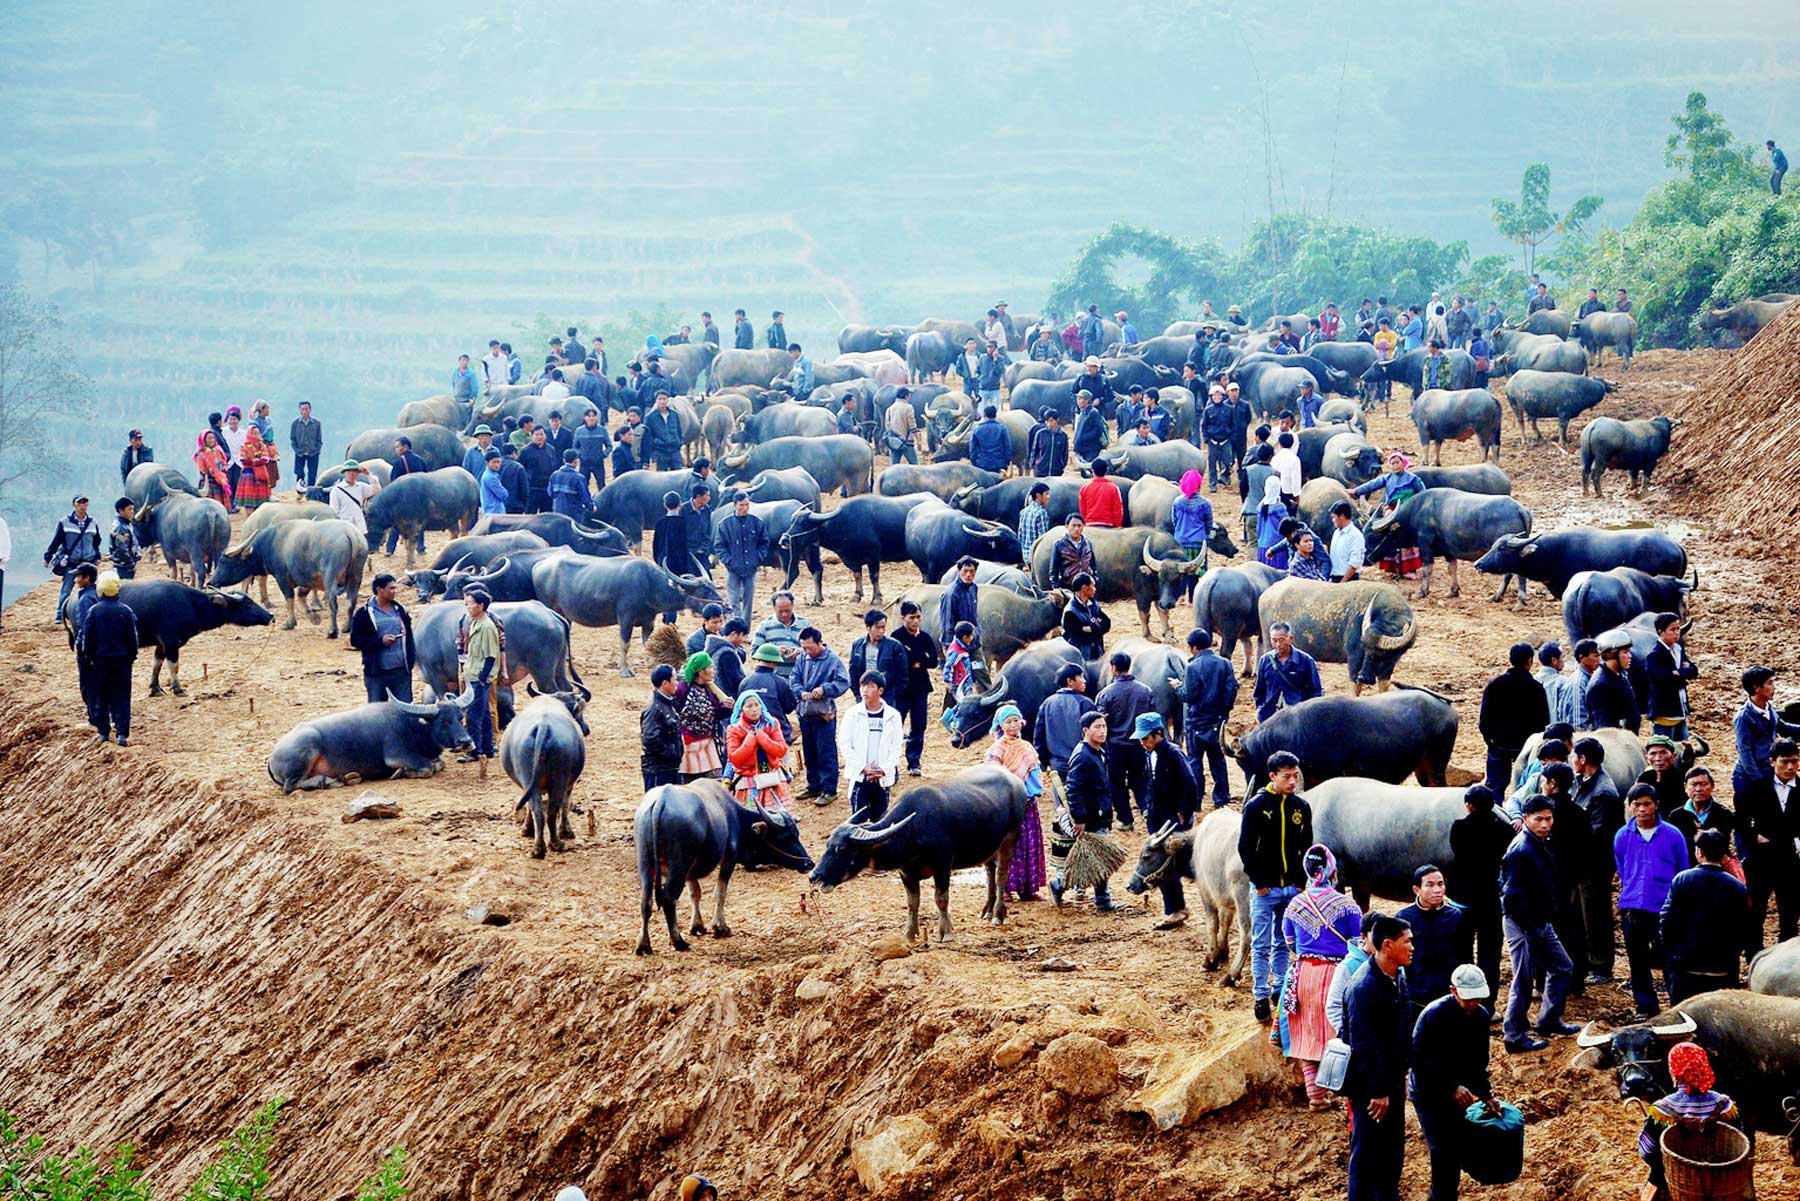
{"x": 1649, "y": 853}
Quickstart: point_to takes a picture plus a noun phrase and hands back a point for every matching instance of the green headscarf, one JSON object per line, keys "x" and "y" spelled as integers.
{"x": 696, "y": 663}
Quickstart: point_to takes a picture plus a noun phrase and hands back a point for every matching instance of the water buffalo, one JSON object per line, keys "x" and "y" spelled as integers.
{"x": 1381, "y": 831}
{"x": 1549, "y": 321}
{"x": 789, "y": 419}
{"x": 1632, "y": 446}
{"x": 1775, "y": 971}
{"x": 438, "y": 446}
{"x": 1342, "y": 410}
{"x": 928, "y": 353}
{"x": 543, "y": 752}
{"x": 1597, "y": 331}
{"x": 1445, "y": 523}
{"x": 1555, "y": 558}
{"x": 1154, "y": 664}
{"x": 880, "y": 368}
{"x": 1407, "y": 731}
{"x": 1018, "y": 422}
{"x": 1269, "y": 386}
{"x": 633, "y": 501}
{"x": 169, "y": 615}
{"x": 303, "y": 557}
{"x": 1208, "y": 853}
{"x": 537, "y": 649}
{"x": 556, "y": 529}
{"x": 1169, "y": 460}
{"x": 686, "y": 362}
{"x": 1028, "y": 678}
{"x": 1409, "y": 369}
{"x": 625, "y": 592}
{"x": 1752, "y": 1040}
{"x": 970, "y": 820}
{"x": 864, "y": 532}
{"x": 1353, "y": 358}
{"x": 1168, "y": 350}
{"x": 148, "y": 483}
{"x": 686, "y": 832}
{"x": 1350, "y": 459}
{"x": 472, "y": 551}
{"x": 938, "y": 535}
{"x": 716, "y": 426}
{"x": 841, "y": 460}
{"x": 1123, "y": 568}
{"x": 380, "y": 470}
{"x": 943, "y": 480}
{"x": 1595, "y": 601}
{"x": 1624, "y": 757}
{"x": 1310, "y": 445}
{"x": 1363, "y": 624}
{"x": 1055, "y": 392}
{"x": 445, "y": 499}
{"x": 507, "y": 578}
{"x": 190, "y": 529}
{"x": 274, "y": 513}
{"x": 1472, "y": 477}
{"x": 1225, "y": 606}
{"x": 446, "y": 411}
{"x": 1520, "y": 351}
{"x": 1746, "y": 318}
{"x": 859, "y": 339}
{"x": 1000, "y": 575}
{"x": 758, "y": 367}
{"x": 1124, "y": 371}
{"x": 791, "y": 483}
{"x": 1316, "y": 499}
{"x": 1326, "y": 379}
{"x": 1537, "y": 394}
{"x": 1005, "y": 500}
{"x": 1443, "y": 416}
{"x": 373, "y": 742}
{"x": 1009, "y": 621}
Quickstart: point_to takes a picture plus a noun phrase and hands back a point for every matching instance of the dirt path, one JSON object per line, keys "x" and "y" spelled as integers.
{"x": 564, "y": 1056}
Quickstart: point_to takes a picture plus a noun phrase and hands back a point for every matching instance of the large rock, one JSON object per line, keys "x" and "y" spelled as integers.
{"x": 891, "y": 1150}
{"x": 1013, "y": 1051}
{"x": 1134, "y": 1013}
{"x": 1079, "y": 1065}
{"x": 1000, "y": 1139}
{"x": 1186, "y": 1085}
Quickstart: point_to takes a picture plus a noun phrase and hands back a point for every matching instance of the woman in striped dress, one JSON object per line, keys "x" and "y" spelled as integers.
{"x": 1320, "y": 927}
{"x": 1028, "y": 873}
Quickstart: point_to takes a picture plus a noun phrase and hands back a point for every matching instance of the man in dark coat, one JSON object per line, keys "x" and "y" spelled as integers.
{"x": 1090, "y": 426}
{"x": 1440, "y": 936}
{"x": 1380, "y": 1037}
{"x": 1086, "y": 790}
{"x": 1450, "y": 1072}
{"x": 659, "y": 730}
{"x": 922, "y": 660}
{"x": 1703, "y": 901}
{"x": 743, "y": 334}
{"x": 382, "y": 630}
{"x": 961, "y": 601}
{"x": 1478, "y": 841}
{"x": 662, "y": 435}
{"x": 540, "y": 463}
{"x": 109, "y": 639}
{"x": 1668, "y": 670}
{"x": 741, "y": 542}
{"x": 514, "y": 478}
{"x": 875, "y": 651}
{"x": 1272, "y": 840}
{"x": 1605, "y": 810}
{"x": 1769, "y": 821}
{"x": 1209, "y": 688}
{"x": 1611, "y": 700}
{"x": 1169, "y": 790}
{"x": 1124, "y": 700}
{"x": 1513, "y": 708}
{"x": 559, "y": 436}
{"x": 135, "y": 453}
{"x": 1049, "y": 447}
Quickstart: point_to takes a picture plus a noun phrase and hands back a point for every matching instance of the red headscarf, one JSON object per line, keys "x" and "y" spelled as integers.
{"x": 1690, "y": 1068}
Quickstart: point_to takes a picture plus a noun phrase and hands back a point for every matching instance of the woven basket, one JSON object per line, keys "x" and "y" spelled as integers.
{"x": 1710, "y": 1163}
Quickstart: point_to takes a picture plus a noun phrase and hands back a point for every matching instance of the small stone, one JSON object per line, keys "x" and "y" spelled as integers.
{"x": 1079, "y": 1065}
{"x": 371, "y": 805}
{"x": 484, "y": 914}
{"x": 1059, "y": 964}
{"x": 891, "y": 947}
{"x": 1013, "y": 1051}
{"x": 812, "y": 989}
{"x": 893, "y": 1149}
{"x": 1001, "y": 1141}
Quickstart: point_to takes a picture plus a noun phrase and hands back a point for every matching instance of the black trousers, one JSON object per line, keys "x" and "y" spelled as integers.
{"x": 84, "y": 677}
{"x": 1490, "y": 940}
{"x": 539, "y": 501}
{"x": 398, "y": 680}
{"x": 916, "y": 708}
{"x": 1125, "y": 775}
{"x": 1779, "y": 879}
{"x": 868, "y": 802}
{"x": 112, "y": 695}
{"x": 1204, "y": 750}
{"x": 1643, "y": 953}
{"x": 1377, "y": 1150}
{"x": 306, "y": 469}
{"x": 1441, "y": 1124}
{"x": 1683, "y": 985}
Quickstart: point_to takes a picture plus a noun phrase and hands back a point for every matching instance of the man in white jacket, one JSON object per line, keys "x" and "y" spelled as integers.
{"x": 870, "y": 741}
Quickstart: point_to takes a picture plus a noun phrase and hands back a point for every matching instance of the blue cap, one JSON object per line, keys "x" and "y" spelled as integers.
{"x": 1147, "y": 724}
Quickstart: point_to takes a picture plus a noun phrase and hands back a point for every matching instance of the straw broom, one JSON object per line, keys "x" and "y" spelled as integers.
{"x": 1092, "y": 861}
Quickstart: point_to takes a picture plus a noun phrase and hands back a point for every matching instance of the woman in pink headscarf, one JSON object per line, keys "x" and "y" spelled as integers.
{"x": 210, "y": 458}
{"x": 1193, "y": 519}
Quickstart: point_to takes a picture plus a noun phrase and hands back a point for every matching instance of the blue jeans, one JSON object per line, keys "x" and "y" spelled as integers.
{"x": 818, "y": 739}
{"x": 1268, "y": 950}
{"x": 306, "y": 469}
{"x": 1535, "y": 950}
{"x": 68, "y": 586}
{"x": 741, "y": 591}
{"x": 1205, "y": 750}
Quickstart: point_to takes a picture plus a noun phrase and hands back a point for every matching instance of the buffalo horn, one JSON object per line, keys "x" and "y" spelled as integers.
{"x": 1681, "y": 1029}
{"x": 1161, "y": 836}
{"x": 410, "y": 708}
{"x": 737, "y": 460}
{"x": 458, "y": 565}
{"x": 1700, "y": 751}
{"x": 864, "y": 836}
{"x": 980, "y": 531}
{"x": 1589, "y": 1037}
{"x": 236, "y": 552}
{"x": 1150, "y": 560}
{"x": 467, "y": 698}
{"x": 774, "y": 817}
{"x": 997, "y": 694}
{"x": 532, "y": 689}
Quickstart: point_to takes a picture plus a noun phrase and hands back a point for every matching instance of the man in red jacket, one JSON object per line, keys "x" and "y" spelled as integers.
{"x": 1099, "y": 500}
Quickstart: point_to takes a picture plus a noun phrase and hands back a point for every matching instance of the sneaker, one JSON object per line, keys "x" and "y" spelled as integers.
{"x": 1524, "y": 1045}
{"x": 1106, "y": 906}
{"x": 1127, "y": 827}
{"x": 1172, "y": 921}
{"x": 1597, "y": 978}
{"x": 1262, "y": 1009}
{"x": 913, "y": 771}
{"x": 808, "y": 795}
{"x": 1642, "y": 1015}
{"x": 1056, "y": 892}
{"x": 1560, "y": 1029}
{"x": 124, "y": 741}
{"x": 823, "y": 799}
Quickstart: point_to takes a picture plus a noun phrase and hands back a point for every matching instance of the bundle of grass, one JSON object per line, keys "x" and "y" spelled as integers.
{"x": 666, "y": 645}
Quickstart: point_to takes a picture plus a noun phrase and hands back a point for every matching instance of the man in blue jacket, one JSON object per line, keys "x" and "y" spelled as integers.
{"x": 1218, "y": 425}
{"x": 493, "y": 487}
{"x": 109, "y": 639}
{"x": 1209, "y": 688}
{"x": 662, "y": 435}
{"x": 1528, "y": 891}
{"x": 990, "y": 445}
{"x": 988, "y": 373}
{"x": 1090, "y": 426}
{"x": 1286, "y": 675}
{"x": 819, "y": 679}
{"x": 569, "y": 491}
{"x": 593, "y": 444}
{"x": 1086, "y": 791}
{"x": 741, "y": 542}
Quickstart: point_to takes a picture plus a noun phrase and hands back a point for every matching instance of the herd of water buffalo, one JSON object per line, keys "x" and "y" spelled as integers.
{"x": 548, "y": 572}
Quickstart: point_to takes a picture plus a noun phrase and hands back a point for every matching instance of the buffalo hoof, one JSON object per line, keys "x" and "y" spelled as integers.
{"x": 697, "y": 929}
{"x": 1421, "y": 594}
{"x": 1455, "y": 592}
{"x": 313, "y": 615}
{"x": 537, "y": 852}
{"x": 177, "y": 689}
{"x": 155, "y": 691}
{"x": 289, "y": 624}
{"x": 643, "y": 948}
{"x": 681, "y": 944}
{"x": 557, "y": 846}
{"x": 625, "y": 673}
{"x": 1229, "y": 982}
{"x": 721, "y": 932}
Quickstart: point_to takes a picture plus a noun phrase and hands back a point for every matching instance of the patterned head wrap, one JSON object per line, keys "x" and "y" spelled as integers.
{"x": 1007, "y": 710}
{"x": 1690, "y": 1068}
{"x": 1320, "y": 864}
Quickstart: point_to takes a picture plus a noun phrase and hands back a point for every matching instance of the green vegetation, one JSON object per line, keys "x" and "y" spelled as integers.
{"x": 35, "y": 382}
{"x": 240, "y": 1173}
{"x": 1530, "y": 223}
{"x": 1710, "y": 236}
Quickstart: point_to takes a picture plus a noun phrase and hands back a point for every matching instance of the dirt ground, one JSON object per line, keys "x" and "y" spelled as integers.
{"x": 207, "y": 942}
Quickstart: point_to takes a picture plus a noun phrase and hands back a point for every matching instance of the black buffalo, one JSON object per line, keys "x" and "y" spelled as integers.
{"x": 864, "y": 532}
{"x": 789, "y": 483}
{"x": 1365, "y": 624}
{"x": 1409, "y": 369}
{"x": 938, "y": 535}
{"x": 1555, "y": 558}
{"x": 1631, "y": 446}
{"x": 1028, "y": 678}
{"x": 1225, "y": 606}
{"x": 558, "y": 529}
{"x": 1009, "y": 578}
{"x": 471, "y": 551}
{"x": 634, "y": 500}
{"x": 1004, "y": 501}
{"x": 1445, "y": 523}
{"x": 445, "y": 499}
{"x": 537, "y": 648}
{"x": 625, "y": 592}
{"x": 942, "y": 480}
{"x": 302, "y": 557}
{"x": 543, "y": 753}
{"x": 1538, "y": 394}
{"x": 970, "y": 820}
{"x": 1596, "y": 601}
{"x": 1474, "y": 477}
{"x": 373, "y": 742}
{"x": 684, "y": 833}
{"x": 1387, "y": 737}
{"x": 169, "y": 614}
{"x": 190, "y": 529}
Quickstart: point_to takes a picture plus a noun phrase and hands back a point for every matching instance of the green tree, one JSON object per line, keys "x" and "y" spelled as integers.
{"x": 387, "y": 1182}
{"x": 241, "y": 1172}
{"x": 1529, "y": 221}
{"x": 1702, "y": 146}
{"x": 1169, "y": 276}
{"x": 35, "y": 382}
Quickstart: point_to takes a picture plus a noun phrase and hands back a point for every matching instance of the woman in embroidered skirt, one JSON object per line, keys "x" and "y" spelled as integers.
{"x": 756, "y": 749}
{"x": 1321, "y": 926}
{"x": 256, "y": 470}
{"x": 701, "y": 706}
{"x": 1397, "y": 486}
{"x": 210, "y": 458}
{"x": 1012, "y": 752}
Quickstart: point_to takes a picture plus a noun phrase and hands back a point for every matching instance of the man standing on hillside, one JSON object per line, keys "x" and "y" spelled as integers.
{"x": 573, "y": 350}
{"x": 494, "y": 367}
{"x": 708, "y": 331}
{"x": 540, "y": 463}
{"x": 76, "y": 540}
{"x": 1778, "y": 161}
{"x": 1593, "y": 304}
{"x": 777, "y": 332}
{"x": 743, "y": 335}
{"x": 135, "y": 453}
{"x": 463, "y": 384}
